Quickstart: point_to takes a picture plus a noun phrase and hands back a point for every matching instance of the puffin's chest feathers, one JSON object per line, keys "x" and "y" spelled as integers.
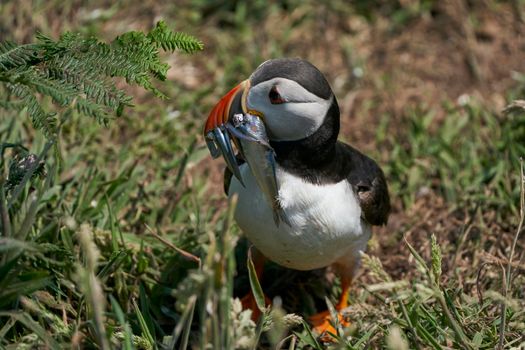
{"x": 331, "y": 208}
{"x": 325, "y": 220}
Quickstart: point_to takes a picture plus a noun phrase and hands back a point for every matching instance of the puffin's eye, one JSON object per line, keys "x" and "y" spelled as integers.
{"x": 275, "y": 97}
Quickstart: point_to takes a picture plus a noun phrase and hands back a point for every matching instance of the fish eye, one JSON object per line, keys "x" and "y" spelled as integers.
{"x": 275, "y": 97}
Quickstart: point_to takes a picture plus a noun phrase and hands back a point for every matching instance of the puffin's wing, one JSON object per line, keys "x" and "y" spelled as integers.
{"x": 368, "y": 182}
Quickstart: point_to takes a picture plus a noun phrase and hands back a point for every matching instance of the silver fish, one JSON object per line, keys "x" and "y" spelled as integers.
{"x": 219, "y": 143}
{"x": 254, "y": 146}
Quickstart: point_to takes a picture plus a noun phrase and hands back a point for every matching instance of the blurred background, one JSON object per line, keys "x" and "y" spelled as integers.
{"x": 421, "y": 85}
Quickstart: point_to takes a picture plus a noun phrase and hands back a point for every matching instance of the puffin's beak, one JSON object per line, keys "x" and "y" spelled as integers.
{"x": 220, "y": 114}
{"x": 217, "y": 138}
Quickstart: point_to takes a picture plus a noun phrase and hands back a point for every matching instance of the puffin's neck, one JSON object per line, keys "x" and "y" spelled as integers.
{"x": 313, "y": 158}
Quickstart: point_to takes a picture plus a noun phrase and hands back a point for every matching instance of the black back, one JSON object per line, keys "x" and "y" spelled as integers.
{"x": 343, "y": 163}
{"x": 369, "y": 183}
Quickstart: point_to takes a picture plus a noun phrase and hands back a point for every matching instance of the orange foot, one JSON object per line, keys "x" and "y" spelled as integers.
{"x": 324, "y": 325}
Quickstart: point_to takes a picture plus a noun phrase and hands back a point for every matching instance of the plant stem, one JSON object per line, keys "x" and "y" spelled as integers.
{"x": 6, "y": 223}
{"x": 455, "y": 326}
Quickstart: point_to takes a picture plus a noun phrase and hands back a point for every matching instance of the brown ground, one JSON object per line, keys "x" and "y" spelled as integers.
{"x": 439, "y": 57}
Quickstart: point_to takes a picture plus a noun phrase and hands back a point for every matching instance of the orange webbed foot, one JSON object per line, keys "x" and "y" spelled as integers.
{"x": 322, "y": 322}
{"x": 323, "y": 325}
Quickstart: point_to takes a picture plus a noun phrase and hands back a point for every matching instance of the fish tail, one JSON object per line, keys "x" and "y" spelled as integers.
{"x": 276, "y": 218}
{"x": 279, "y": 215}
{"x": 284, "y": 218}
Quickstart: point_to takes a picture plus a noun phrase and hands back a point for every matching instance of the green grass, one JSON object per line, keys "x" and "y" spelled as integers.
{"x": 82, "y": 264}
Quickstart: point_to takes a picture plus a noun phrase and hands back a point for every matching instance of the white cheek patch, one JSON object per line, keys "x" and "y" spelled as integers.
{"x": 299, "y": 117}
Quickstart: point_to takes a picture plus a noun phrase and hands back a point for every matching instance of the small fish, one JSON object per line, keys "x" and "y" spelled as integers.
{"x": 254, "y": 146}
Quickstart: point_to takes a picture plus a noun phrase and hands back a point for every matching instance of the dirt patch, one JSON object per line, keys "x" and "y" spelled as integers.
{"x": 451, "y": 53}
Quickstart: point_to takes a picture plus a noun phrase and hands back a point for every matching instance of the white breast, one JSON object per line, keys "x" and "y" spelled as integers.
{"x": 326, "y": 224}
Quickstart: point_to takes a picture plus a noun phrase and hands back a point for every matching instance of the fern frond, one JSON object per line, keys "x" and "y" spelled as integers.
{"x": 13, "y": 55}
{"x": 139, "y": 49}
{"x": 41, "y": 120}
{"x": 79, "y": 73}
{"x": 89, "y": 81}
{"x": 106, "y": 94}
{"x": 162, "y": 36}
{"x": 93, "y": 110}
{"x": 60, "y": 91}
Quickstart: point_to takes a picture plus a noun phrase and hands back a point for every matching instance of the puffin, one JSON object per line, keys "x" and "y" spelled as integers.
{"x": 331, "y": 193}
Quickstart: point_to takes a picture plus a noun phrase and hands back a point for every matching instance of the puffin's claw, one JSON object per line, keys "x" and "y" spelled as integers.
{"x": 219, "y": 143}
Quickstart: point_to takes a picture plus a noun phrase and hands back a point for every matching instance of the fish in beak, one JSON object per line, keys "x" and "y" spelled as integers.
{"x": 217, "y": 137}
{"x": 250, "y": 133}
{"x": 218, "y": 140}
{"x": 231, "y": 120}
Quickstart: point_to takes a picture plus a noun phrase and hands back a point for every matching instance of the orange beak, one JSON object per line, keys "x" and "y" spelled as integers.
{"x": 217, "y": 137}
{"x": 220, "y": 114}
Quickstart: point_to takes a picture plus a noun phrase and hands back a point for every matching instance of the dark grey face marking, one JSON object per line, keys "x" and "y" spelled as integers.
{"x": 296, "y": 69}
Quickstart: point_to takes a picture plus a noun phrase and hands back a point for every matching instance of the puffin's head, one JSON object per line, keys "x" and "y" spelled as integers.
{"x": 291, "y": 96}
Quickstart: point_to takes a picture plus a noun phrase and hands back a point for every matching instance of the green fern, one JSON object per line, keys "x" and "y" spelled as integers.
{"x": 79, "y": 73}
{"x": 13, "y": 55}
{"x": 171, "y": 41}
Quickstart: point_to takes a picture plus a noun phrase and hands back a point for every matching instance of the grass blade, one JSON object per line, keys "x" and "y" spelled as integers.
{"x": 309, "y": 339}
{"x": 143, "y": 325}
{"x": 128, "y": 334}
{"x": 254, "y": 283}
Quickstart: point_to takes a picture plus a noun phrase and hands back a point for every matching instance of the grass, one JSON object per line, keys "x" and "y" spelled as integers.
{"x": 126, "y": 241}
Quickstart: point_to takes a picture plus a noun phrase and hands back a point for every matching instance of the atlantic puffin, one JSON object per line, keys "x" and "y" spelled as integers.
{"x": 331, "y": 193}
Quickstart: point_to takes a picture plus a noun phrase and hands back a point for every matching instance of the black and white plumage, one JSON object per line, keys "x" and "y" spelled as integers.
{"x": 331, "y": 193}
